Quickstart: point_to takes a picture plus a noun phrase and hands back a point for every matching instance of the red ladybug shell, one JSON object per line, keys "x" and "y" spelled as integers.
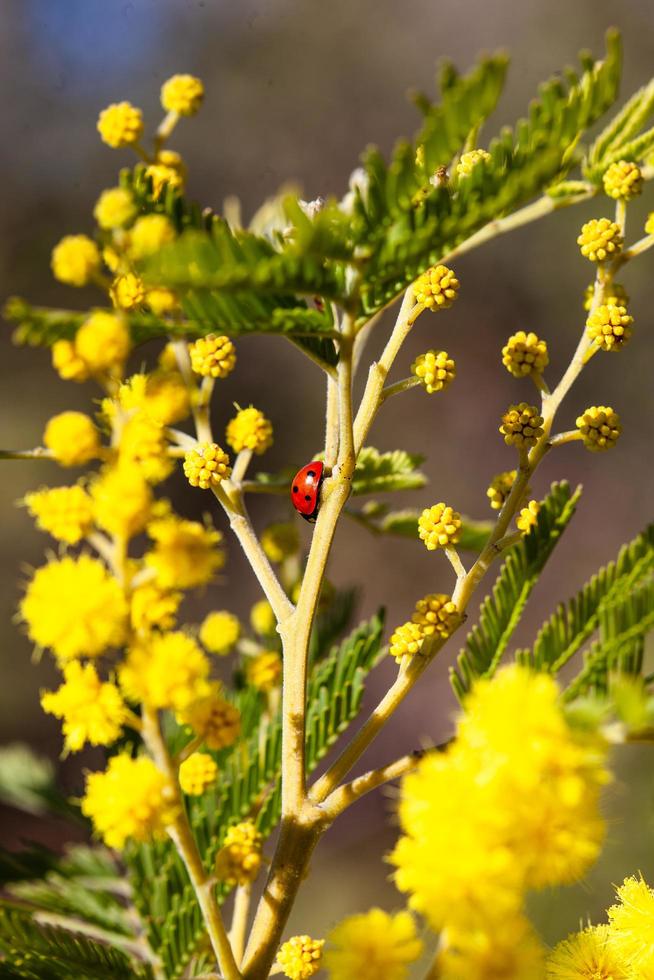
{"x": 305, "y": 490}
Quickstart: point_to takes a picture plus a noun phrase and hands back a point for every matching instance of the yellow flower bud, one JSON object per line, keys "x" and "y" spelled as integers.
{"x": 623, "y": 180}
{"x": 72, "y": 438}
{"x": 439, "y": 526}
{"x": 197, "y": 774}
{"x": 182, "y": 94}
{"x": 435, "y": 370}
{"x": 75, "y": 259}
{"x": 120, "y": 124}
{"x": 600, "y": 428}
{"x": 206, "y": 466}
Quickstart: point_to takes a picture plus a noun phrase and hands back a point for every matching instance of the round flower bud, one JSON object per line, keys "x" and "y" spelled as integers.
{"x": 649, "y": 224}
{"x": 103, "y": 341}
{"x": 300, "y": 957}
{"x": 197, "y": 774}
{"x": 280, "y": 541}
{"x": 264, "y": 672}
{"x": 115, "y": 208}
{"x": 406, "y": 641}
{"x": 623, "y": 180}
{"x": 436, "y": 615}
{"x": 67, "y": 362}
{"x": 600, "y": 239}
{"x": 213, "y": 357}
{"x": 72, "y": 438}
{"x": 182, "y": 94}
{"x": 500, "y": 488}
{"x": 263, "y": 619}
{"x": 163, "y": 177}
{"x": 470, "y": 160}
{"x": 122, "y": 500}
{"x": 161, "y": 301}
{"x": 219, "y": 632}
{"x": 75, "y": 259}
{"x": 435, "y": 369}
{"x": 213, "y": 719}
{"x": 173, "y": 161}
{"x": 609, "y": 327}
{"x": 439, "y": 527}
{"x": 239, "y": 859}
{"x": 528, "y": 517}
{"x": 249, "y": 429}
{"x": 524, "y": 354}
{"x": 206, "y": 466}
{"x": 522, "y": 426}
{"x": 436, "y": 289}
{"x": 150, "y": 233}
{"x": 120, "y": 124}
{"x": 617, "y": 297}
{"x": 127, "y": 292}
{"x": 600, "y": 428}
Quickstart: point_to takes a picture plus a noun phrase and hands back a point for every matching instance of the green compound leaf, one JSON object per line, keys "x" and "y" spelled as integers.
{"x": 377, "y": 472}
{"x": 620, "y": 139}
{"x": 501, "y": 611}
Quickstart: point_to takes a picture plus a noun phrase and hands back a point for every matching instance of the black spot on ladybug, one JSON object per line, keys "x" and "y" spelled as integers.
{"x": 307, "y": 497}
{"x": 311, "y": 474}
{"x": 294, "y": 489}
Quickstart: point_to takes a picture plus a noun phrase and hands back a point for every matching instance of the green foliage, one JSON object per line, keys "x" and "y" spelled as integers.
{"x": 501, "y": 611}
{"x": 376, "y": 517}
{"x": 377, "y": 472}
{"x": 622, "y": 139}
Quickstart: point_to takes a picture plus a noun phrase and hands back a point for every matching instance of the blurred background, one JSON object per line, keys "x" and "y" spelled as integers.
{"x": 295, "y": 90}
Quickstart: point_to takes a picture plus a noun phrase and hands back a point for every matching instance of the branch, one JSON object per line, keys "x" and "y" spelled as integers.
{"x": 343, "y": 797}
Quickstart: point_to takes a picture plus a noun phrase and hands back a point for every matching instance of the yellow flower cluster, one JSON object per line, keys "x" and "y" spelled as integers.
{"x": 101, "y": 344}
{"x": 163, "y": 177}
{"x": 122, "y": 500}
{"x": 249, "y": 430}
{"x": 524, "y": 354}
{"x": 197, "y": 774}
{"x": 239, "y": 859}
{"x": 528, "y": 517}
{"x": 212, "y": 718}
{"x": 120, "y": 124}
{"x": 75, "y": 260}
{"x": 280, "y": 541}
{"x": 500, "y": 488}
{"x": 165, "y": 670}
{"x": 300, "y": 957}
{"x": 149, "y": 234}
{"x": 406, "y": 641}
{"x": 618, "y": 296}
{"x": 152, "y": 607}
{"x": 213, "y": 357}
{"x": 372, "y": 945}
{"x": 600, "y": 428}
{"x": 64, "y": 512}
{"x": 262, "y": 618}
{"x": 128, "y": 292}
{"x": 439, "y": 526}
{"x": 522, "y": 426}
{"x": 609, "y": 326}
{"x": 466, "y": 858}
{"x": 469, "y": 161}
{"x": 182, "y": 94}
{"x": 264, "y": 671}
{"x": 161, "y": 395}
{"x": 186, "y": 554}
{"x": 623, "y": 180}
{"x": 435, "y": 615}
{"x": 115, "y": 208}
{"x": 206, "y": 466}
{"x": 91, "y": 710}
{"x": 220, "y": 632}
{"x": 143, "y": 441}
{"x": 600, "y": 239}
{"x": 132, "y": 800}
{"x": 435, "y": 370}
{"x": 436, "y": 289}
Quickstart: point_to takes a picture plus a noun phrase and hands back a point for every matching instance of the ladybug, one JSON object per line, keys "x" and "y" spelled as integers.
{"x": 305, "y": 490}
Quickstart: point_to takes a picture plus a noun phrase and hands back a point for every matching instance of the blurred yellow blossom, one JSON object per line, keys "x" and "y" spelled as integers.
{"x": 91, "y": 710}
{"x": 132, "y": 800}
{"x": 372, "y": 945}
{"x": 64, "y": 512}
{"x": 185, "y": 553}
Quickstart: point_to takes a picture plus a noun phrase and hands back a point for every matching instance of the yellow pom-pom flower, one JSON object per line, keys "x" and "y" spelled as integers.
{"x": 280, "y": 541}
{"x": 631, "y": 926}
{"x": 206, "y": 466}
{"x": 609, "y": 327}
{"x": 406, "y": 641}
{"x": 67, "y": 362}
{"x": 469, "y": 161}
{"x": 587, "y": 954}
{"x": 219, "y": 632}
{"x": 127, "y": 292}
{"x": 163, "y": 177}
{"x": 264, "y": 671}
{"x": 150, "y": 233}
{"x": 600, "y": 239}
{"x": 143, "y": 441}
{"x": 600, "y": 428}
{"x": 522, "y": 426}
{"x": 372, "y": 945}
{"x": 92, "y": 711}
{"x": 173, "y": 161}
{"x": 623, "y": 180}
{"x": 132, "y": 800}
{"x": 120, "y": 124}
{"x": 213, "y": 719}
{"x": 75, "y": 260}
{"x": 528, "y": 517}
{"x": 239, "y": 859}
{"x": 439, "y": 526}
{"x": 511, "y": 950}
{"x": 115, "y": 208}
{"x": 436, "y": 615}
{"x": 524, "y": 354}
{"x": 161, "y": 301}
{"x": 197, "y": 774}
{"x": 75, "y": 607}
{"x": 153, "y": 608}
{"x": 500, "y": 488}
{"x": 64, "y": 512}
{"x": 249, "y": 429}
{"x": 162, "y": 396}
{"x": 299, "y": 958}
{"x": 618, "y": 296}
{"x": 103, "y": 341}
{"x": 72, "y": 438}
{"x": 186, "y": 554}
{"x": 262, "y": 618}
{"x": 182, "y": 94}
{"x": 435, "y": 370}
{"x": 212, "y": 356}
{"x": 165, "y": 670}
{"x": 436, "y": 289}
{"x": 122, "y": 500}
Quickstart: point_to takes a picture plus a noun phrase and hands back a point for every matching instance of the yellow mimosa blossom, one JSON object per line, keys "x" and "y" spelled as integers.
{"x": 469, "y": 161}
{"x": 122, "y": 499}
{"x": 610, "y": 327}
{"x": 372, "y": 945}
{"x": 148, "y": 234}
{"x": 185, "y": 553}
{"x": 617, "y": 296}
{"x": 524, "y": 354}
{"x": 163, "y": 177}
{"x": 161, "y": 301}
{"x": 127, "y": 292}
{"x": 91, "y": 710}
{"x": 219, "y": 632}
{"x": 436, "y": 615}
{"x": 436, "y": 289}
{"x": 280, "y": 541}
{"x": 75, "y": 259}
{"x": 528, "y": 516}
{"x": 206, "y": 466}
{"x": 212, "y": 356}
{"x": 587, "y": 955}
{"x": 182, "y": 94}
{"x": 600, "y": 239}
{"x": 522, "y": 426}
{"x": 213, "y": 719}
{"x": 406, "y": 641}
{"x": 500, "y": 488}
{"x": 239, "y": 859}
{"x": 249, "y": 429}
{"x": 263, "y": 619}
{"x": 67, "y": 362}
{"x": 165, "y": 670}
{"x": 439, "y": 526}
{"x": 64, "y": 512}
{"x": 300, "y": 957}
{"x": 103, "y": 341}
{"x": 75, "y": 607}
{"x": 120, "y": 124}
{"x": 115, "y": 208}
{"x": 435, "y": 370}
{"x": 72, "y": 438}
{"x": 631, "y": 920}
{"x": 264, "y": 671}
{"x": 172, "y": 160}
{"x": 510, "y": 951}
{"x": 161, "y": 395}
{"x": 132, "y": 800}
{"x": 623, "y": 180}
{"x": 600, "y": 428}
{"x": 143, "y": 442}
{"x": 197, "y": 774}
{"x": 153, "y": 608}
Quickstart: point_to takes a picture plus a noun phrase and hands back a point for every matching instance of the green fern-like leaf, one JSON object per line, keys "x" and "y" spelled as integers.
{"x": 621, "y": 139}
{"x": 501, "y": 611}
{"x": 377, "y": 472}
